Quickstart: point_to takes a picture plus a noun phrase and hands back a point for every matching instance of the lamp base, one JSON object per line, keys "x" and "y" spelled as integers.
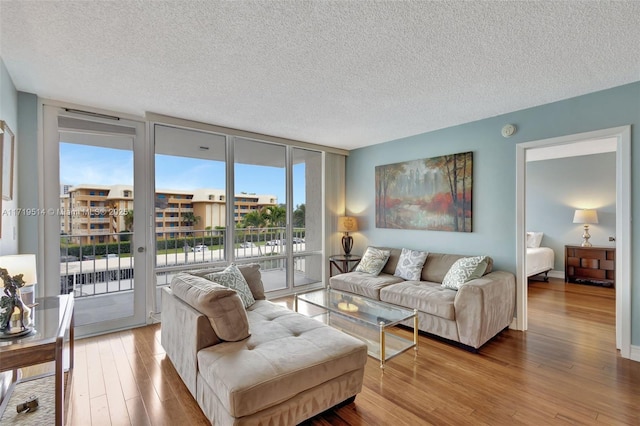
{"x": 585, "y": 237}
{"x": 347, "y": 243}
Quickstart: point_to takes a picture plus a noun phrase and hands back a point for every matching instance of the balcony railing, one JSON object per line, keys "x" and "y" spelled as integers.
{"x": 102, "y": 268}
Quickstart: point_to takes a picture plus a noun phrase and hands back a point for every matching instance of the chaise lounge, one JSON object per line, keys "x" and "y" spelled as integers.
{"x": 263, "y": 365}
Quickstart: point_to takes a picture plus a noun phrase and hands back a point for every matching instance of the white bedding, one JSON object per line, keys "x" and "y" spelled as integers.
{"x": 539, "y": 259}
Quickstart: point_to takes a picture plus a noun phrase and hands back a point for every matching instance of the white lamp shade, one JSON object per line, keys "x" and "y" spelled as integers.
{"x": 24, "y": 264}
{"x": 585, "y": 216}
{"x": 347, "y": 224}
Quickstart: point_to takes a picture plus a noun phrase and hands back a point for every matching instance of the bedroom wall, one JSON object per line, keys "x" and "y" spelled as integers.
{"x": 494, "y": 191}
{"x": 555, "y": 188}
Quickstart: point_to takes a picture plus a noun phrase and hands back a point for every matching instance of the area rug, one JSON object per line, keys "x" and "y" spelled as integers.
{"x": 42, "y": 387}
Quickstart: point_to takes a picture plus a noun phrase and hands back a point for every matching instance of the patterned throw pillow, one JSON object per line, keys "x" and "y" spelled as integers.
{"x": 464, "y": 270}
{"x": 410, "y": 264}
{"x": 373, "y": 261}
{"x": 232, "y": 277}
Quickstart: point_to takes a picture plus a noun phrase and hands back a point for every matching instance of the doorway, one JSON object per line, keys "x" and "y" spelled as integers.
{"x": 97, "y": 236}
{"x": 623, "y": 226}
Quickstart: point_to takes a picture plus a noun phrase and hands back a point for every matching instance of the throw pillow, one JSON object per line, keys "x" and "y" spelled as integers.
{"x": 232, "y": 277}
{"x": 534, "y": 239}
{"x": 373, "y": 261}
{"x": 410, "y": 264}
{"x": 250, "y": 272}
{"x": 464, "y": 270}
{"x": 221, "y": 305}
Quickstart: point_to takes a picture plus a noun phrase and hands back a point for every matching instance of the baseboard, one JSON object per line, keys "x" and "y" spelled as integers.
{"x": 514, "y": 324}
{"x": 635, "y": 353}
{"x": 556, "y": 274}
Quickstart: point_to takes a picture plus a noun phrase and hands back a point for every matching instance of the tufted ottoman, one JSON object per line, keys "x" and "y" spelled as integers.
{"x": 289, "y": 369}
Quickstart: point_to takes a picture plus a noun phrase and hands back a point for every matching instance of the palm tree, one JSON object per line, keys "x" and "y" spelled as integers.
{"x": 128, "y": 221}
{"x": 254, "y": 219}
{"x": 299, "y": 215}
{"x": 275, "y": 215}
{"x": 190, "y": 219}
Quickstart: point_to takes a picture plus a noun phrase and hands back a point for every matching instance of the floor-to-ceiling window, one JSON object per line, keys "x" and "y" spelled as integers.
{"x": 137, "y": 210}
{"x": 307, "y": 216}
{"x": 223, "y": 198}
{"x": 189, "y": 218}
{"x": 260, "y": 208}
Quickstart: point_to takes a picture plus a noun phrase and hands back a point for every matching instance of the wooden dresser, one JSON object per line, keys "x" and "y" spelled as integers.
{"x": 590, "y": 265}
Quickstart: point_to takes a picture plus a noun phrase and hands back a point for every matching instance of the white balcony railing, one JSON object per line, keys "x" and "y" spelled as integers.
{"x": 100, "y": 268}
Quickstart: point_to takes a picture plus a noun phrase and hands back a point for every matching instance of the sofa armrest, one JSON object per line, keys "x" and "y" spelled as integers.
{"x": 184, "y": 332}
{"x": 484, "y": 307}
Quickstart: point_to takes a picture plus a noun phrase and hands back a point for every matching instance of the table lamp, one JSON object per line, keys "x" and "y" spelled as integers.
{"x": 347, "y": 224}
{"x": 585, "y": 216}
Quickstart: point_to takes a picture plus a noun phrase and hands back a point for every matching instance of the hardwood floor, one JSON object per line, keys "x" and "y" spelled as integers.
{"x": 563, "y": 370}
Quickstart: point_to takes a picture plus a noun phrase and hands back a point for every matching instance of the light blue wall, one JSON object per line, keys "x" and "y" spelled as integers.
{"x": 494, "y": 163}
{"x": 9, "y": 114}
{"x": 556, "y": 188}
{"x": 28, "y": 171}
{"x": 8, "y": 245}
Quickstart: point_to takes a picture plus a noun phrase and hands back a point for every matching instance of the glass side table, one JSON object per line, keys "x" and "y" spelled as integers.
{"x": 51, "y": 340}
{"x": 343, "y": 263}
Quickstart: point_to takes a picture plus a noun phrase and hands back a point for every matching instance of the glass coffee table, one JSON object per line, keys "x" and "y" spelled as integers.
{"x": 367, "y": 319}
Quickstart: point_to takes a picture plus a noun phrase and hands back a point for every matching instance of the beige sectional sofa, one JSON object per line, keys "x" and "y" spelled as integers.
{"x": 470, "y": 316}
{"x": 263, "y": 365}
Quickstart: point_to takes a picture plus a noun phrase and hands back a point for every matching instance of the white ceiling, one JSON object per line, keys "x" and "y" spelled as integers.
{"x": 340, "y": 73}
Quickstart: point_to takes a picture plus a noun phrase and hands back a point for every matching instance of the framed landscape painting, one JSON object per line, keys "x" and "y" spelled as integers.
{"x": 431, "y": 194}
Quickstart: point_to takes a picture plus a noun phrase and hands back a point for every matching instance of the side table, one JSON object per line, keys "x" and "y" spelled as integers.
{"x": 53, "y": 330}
{"x": 590, "y": 265}
{"x": 343, "y": 263}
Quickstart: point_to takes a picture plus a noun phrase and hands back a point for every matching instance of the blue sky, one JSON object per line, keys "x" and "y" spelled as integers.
{"x": 106, "y": 166}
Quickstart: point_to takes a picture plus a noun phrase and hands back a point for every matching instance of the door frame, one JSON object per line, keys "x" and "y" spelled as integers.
{"x": 623, "y": 227}
{"x": 49, "y": 198}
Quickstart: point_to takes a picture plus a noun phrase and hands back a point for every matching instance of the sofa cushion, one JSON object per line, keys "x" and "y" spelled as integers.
{"x": 463, "y": 270}
{"x": 373, "y": 261}
{"x": 250, "y": 272}
{"x": 427, "y": 297}
{"x": 220, "y": 304}
{"x": 232, "y": 277}
{"x": 437, "y": 265}
{"x": 362, "y": 283}
{"x": 392, "y": 263}
{"x": 286, "y": 354}
{"x": 410, "y": 264}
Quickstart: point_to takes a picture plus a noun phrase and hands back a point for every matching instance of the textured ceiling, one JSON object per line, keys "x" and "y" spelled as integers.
{"x": 339, "y": 73}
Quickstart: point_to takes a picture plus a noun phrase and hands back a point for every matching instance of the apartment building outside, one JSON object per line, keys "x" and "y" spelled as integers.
{"x": 98, "y": 213}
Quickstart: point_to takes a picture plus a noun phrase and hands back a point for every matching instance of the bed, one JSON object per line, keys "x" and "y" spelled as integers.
{"x": 539, "y": 261}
